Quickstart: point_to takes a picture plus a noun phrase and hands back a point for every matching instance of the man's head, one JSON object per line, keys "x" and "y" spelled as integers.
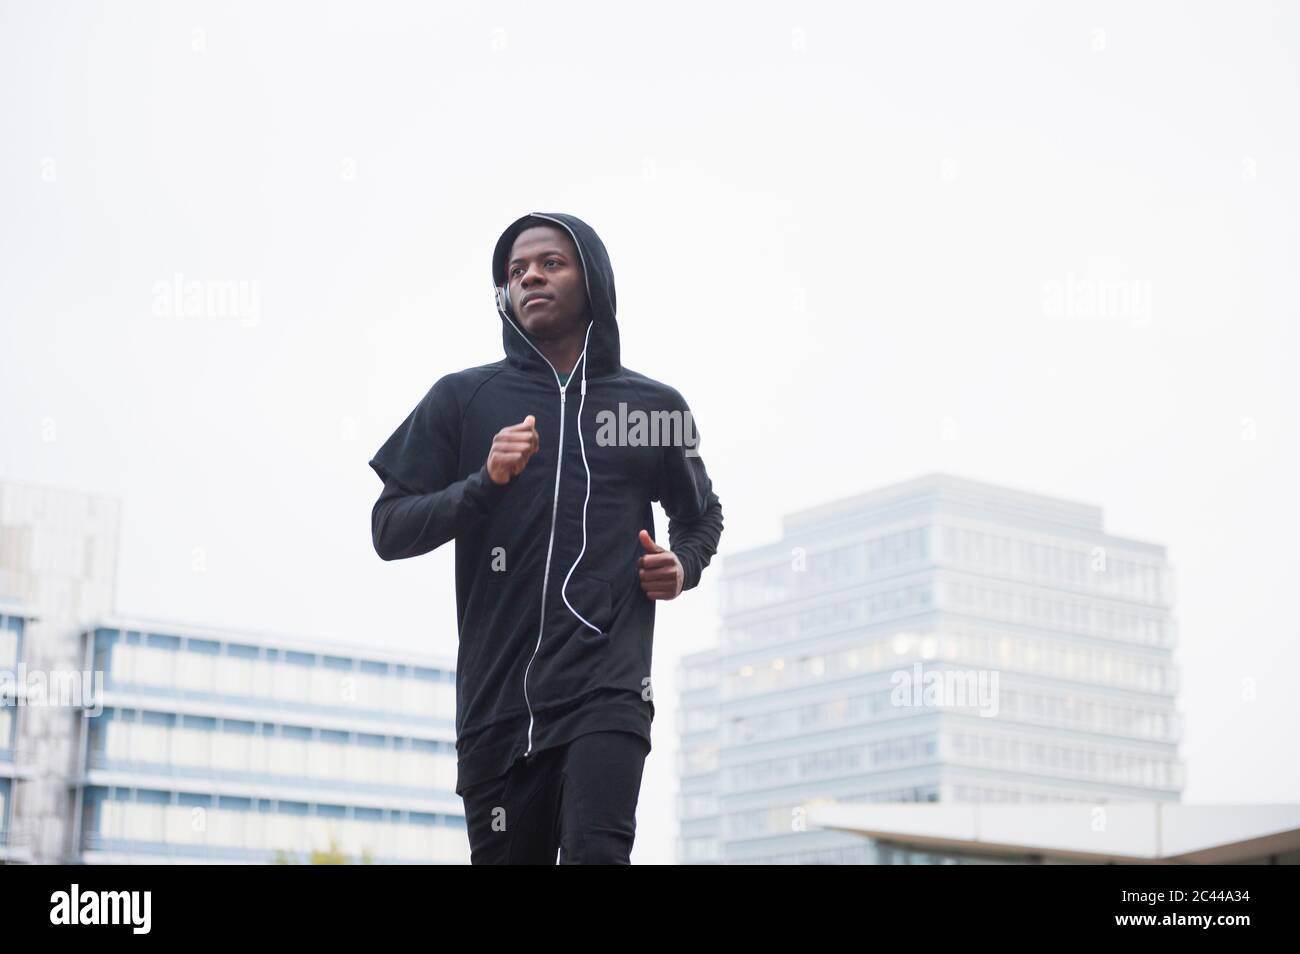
{"x": 548, "y": 291}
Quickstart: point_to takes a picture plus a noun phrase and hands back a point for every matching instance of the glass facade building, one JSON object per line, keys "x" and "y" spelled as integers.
{"x": 215, "y": 747}
{"x": 937, "y": 640}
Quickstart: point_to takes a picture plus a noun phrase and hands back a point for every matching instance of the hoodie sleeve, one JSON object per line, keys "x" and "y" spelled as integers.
{"x": 694, "y": 511}
{"x": 423, "y": 505}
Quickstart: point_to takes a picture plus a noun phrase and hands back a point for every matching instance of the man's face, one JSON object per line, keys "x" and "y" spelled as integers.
{"x": 547, "y": 289}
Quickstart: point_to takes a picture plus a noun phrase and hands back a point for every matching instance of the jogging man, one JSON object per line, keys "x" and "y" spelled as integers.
{"x": 543, "y": 467}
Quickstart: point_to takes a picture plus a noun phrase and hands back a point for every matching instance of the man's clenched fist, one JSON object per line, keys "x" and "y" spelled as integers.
{"x": 661, "y": 572}
{"x": 511, "y": 448}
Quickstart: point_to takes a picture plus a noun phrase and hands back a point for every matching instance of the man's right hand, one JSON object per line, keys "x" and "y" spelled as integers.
{"x": 511, "y": 448}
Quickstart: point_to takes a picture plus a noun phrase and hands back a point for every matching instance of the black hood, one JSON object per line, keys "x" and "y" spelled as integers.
{"x": 602, "y": 346}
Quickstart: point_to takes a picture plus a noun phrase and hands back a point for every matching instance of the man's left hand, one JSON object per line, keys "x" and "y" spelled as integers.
{"x": 661, "y": 572}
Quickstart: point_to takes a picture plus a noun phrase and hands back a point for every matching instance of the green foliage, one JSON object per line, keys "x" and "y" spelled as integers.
{"x": 330, "y": 856}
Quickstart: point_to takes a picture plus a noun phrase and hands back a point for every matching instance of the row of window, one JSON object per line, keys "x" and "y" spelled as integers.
{"x": 833, "y": 762}
{"x": 698, "y": 719}
{"x": 416, "y": 764}
{"x": 1057, "y": 612}
{"x": 697, "y": 806}
{"x": 118, "y": 822}
{"x": 1061, "y": 613}
{"x": 697, "y": 759}
{"x": 1078, "y": 760}
{"x": 883, "y": 604}
{"x": 972, "y": 646}
{"x": 241, "y": 727}
{"x": 696, "y": 676}
{"x": 1095, "y": 763}
{"x": 772, "y": 820}
{"x": 1065, "y": 711}
{"x": 789, "y": 817}
{"x": 807, "y": 572}
{"x": 106, "y": 639}
{"x": 282, "y": 681}
{"x": 848, "y": 855}
{"x": 1090, "y": 567}
{"x": 1046, "y": 656}
{"x": 694, "y": 851}
{"x": 885, "y": 854}
{"x": 996, "y": 793}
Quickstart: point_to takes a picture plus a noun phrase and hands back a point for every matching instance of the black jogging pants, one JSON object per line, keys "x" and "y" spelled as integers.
{"x": 577, "y": 800}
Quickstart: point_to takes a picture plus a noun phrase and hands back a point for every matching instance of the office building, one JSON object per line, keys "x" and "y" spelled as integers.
{"x": 231, "y": 747}
{"x": 936, "y": 640}
{"x": 58, "y": 562}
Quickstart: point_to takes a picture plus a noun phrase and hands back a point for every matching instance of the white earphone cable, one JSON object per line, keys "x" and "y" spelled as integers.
{"x": 583, "y": 447}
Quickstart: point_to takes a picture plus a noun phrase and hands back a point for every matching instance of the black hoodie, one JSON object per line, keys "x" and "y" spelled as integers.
{"x": 555, "y": 631}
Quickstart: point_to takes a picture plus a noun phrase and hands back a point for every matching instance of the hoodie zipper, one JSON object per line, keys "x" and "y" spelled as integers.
{"x": 550, "y": 542}
{"x": 559, "y": 460}
{"x": 546, "y": 574}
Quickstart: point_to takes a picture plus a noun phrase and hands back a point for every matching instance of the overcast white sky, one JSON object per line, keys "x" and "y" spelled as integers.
{"x": 840, "y": 233}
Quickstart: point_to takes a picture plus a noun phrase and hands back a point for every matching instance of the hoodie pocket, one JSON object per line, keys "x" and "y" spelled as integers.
{"x": 590, "y": 598}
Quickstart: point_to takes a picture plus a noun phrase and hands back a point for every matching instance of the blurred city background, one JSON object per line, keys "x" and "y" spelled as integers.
{"x": 986, "y": 316}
